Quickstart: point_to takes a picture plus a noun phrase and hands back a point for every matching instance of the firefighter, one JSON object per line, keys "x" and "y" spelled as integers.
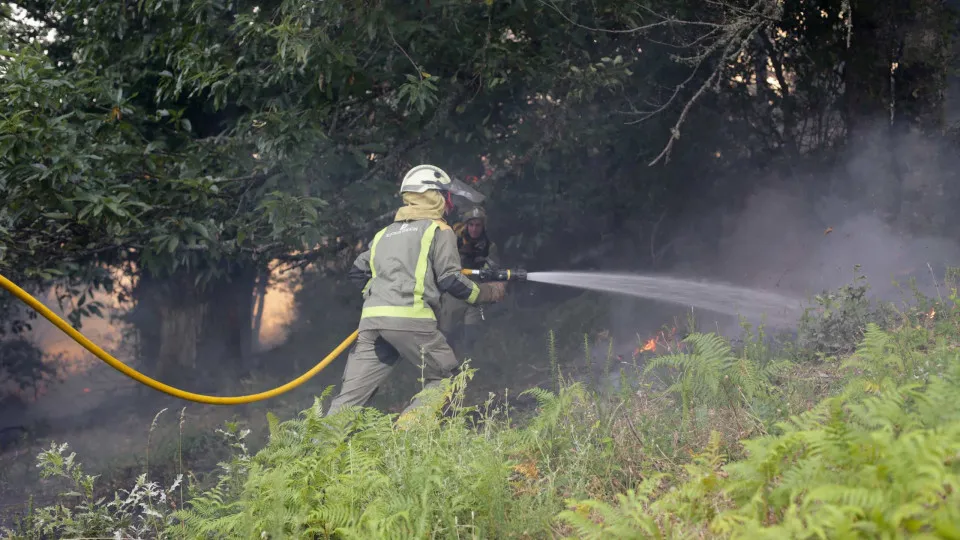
{"x": 409, "y": 265}
{"x": 458, "y": 319}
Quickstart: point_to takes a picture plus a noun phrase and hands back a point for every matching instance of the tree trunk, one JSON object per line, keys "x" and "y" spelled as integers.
{"x": 226, "y": 341}
{"x": 195, "y": 337}
{"x": 867, "y": 64}
{"x": 179, "y": 334}
{"x": 262, "y": 281}
{"x": 919, "y": 95}
{"x": 895, "y": 79}
{"x": 868, "y": 98}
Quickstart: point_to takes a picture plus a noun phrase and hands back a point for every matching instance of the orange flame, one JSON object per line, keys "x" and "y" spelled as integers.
{"x": 650, "y": 345}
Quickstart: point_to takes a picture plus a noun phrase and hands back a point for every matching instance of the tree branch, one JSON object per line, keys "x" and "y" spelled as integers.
{"x": 666, "y": 21}
{"x": 395, "y": 155}
{"x": 734, "y": 44}
{"x": 395, "y": 42}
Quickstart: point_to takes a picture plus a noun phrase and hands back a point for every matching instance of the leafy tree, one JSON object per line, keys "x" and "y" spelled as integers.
{"x": 92, "y": 179}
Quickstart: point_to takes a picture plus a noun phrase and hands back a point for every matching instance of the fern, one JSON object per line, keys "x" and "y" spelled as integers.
{"x": 630, "y": 519}
{"x": 872, "y": 467}
{"x": 554, "y": 360}
{"x": 879, "y": 459}
{"x": 876, "y": 360}
{"x": 712, "y": 375}
{"x": 358, "y": 475}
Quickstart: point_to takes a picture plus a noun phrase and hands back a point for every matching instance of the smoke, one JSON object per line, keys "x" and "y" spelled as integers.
{"x": 800, "y": 242}
{"x": 777, "y": 245}
{"x": 885, "y": 211}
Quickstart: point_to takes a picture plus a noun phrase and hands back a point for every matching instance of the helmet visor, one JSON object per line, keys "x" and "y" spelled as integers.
{"x": 463, "y": 192}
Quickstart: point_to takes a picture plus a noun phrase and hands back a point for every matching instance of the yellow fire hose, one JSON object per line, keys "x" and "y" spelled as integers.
{"x": 38, "y": 306}
{"x": 26, "y": 298}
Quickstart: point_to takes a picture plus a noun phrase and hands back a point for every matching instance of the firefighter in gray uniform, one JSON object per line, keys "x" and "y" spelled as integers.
{"x": 409, "y": 265}
{"x": 460, "y": 321}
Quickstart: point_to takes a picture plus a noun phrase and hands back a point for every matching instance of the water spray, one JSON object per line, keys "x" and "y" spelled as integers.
{"x": 719, "y": 297}
{"x": 709, "y": 295}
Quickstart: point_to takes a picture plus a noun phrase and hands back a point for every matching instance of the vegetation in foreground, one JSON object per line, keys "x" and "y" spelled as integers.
{"x": 748, "y": 440}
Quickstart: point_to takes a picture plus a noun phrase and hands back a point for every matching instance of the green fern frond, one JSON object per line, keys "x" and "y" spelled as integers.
{"x": 631, "y": 517}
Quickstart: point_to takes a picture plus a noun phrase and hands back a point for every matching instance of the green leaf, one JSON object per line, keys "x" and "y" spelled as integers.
{"x": 273, "y": 424}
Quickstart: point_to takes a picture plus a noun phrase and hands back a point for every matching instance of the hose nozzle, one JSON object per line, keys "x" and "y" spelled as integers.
{"x": 487, "y": 274}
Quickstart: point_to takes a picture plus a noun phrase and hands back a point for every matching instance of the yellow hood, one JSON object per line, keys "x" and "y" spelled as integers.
{"x": 426, "y": 205}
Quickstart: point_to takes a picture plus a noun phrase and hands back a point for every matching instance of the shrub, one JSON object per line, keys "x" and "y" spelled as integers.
{"x": 838, "y": 320}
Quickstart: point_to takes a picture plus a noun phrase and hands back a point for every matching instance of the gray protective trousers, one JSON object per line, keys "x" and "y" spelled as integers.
{"x": 377, "y": 352}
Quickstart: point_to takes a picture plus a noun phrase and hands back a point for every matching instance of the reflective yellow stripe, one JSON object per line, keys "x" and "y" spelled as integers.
{"x": 472, "y": 299}
{"x": 421, "y": 272}
{"x": 373, "y": 252}
{"x": 406, "y": 312}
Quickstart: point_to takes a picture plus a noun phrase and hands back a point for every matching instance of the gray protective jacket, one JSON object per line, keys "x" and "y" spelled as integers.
{"x": 408, "y": 266}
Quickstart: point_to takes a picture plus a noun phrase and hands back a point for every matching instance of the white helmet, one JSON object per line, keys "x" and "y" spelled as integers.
{"x": 423, "y": 178}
